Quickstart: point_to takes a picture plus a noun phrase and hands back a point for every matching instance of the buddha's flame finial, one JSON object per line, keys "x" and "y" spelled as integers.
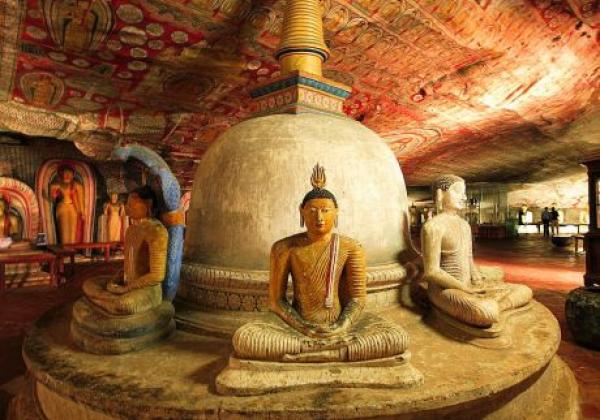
{"x": 302, "y": 44}
{"x": 318, "y": 178}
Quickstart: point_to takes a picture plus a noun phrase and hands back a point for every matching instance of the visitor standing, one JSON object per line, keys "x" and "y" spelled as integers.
{"x": 554, "y": 221}
{"x": 546, "y": 221}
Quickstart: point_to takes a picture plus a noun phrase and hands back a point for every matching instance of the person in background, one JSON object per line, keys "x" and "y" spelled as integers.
{"x": 546, "y": 222}
{"x": 554, "y": 221}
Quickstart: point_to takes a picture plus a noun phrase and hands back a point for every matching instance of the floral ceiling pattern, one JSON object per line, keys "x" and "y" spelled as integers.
{"x": 489, "y": 89}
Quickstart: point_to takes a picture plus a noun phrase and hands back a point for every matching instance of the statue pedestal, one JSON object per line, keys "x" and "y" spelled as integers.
{"x": 176, "y": 379}
{"x": 498, "y": 336}
{"x": 99, "y": 332}
{"x": 253, "y": 377}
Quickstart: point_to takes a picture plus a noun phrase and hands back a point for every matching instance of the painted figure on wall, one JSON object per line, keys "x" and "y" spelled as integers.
{"x": 67, "y": 194}
{"x": 78, "y": 25}
{"x": 114, "y": 212}
{"x": 42, "y": 89}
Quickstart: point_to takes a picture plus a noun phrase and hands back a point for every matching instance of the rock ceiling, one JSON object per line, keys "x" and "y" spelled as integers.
{"x": 489, "y": 89}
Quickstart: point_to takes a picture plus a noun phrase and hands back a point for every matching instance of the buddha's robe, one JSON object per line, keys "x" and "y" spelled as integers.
{"x": 450, "y": 236}
{"x": 369, "y": 337}
{"x": 145, "y": 266}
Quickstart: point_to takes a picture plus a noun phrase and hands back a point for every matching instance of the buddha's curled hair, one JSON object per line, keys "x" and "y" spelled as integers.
{"x": 444, "y": 182}
{"x": 318, "y": 181}
{"x": 146, "y": 193}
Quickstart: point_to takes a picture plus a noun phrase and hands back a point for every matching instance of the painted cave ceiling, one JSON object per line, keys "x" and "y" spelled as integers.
{"x": 488, "y": 89}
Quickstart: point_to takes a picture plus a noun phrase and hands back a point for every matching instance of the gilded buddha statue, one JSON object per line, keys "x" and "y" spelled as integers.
{"x": 456, "y": 287}
{"x": 126, "y": 312}
{"x": 324, "y": 323}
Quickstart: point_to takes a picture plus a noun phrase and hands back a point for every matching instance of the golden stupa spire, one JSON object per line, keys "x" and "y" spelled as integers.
{"x": 302, "y": 46}
{"x": 301, "y": 86}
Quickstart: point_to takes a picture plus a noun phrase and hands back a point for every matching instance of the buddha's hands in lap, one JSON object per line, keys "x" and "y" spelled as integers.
{"x": 331, "y": 330}
{"x": 331, "y": 343}
{"x": 477, "y": 281}
{"x": 480, "y": 291}
{"x": 116, "y": 285}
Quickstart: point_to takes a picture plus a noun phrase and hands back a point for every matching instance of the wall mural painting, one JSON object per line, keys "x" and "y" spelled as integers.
{"x": 563, "y": 192}
{"x": 78, "y": 26}
{"x": 66, "y": 190}
{"x": 42, "y": 89}
{"x": 465, "y": 69}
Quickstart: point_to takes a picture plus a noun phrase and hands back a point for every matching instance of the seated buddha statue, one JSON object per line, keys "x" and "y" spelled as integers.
{"x": 10, "y": 226}
{"x": 324, "y": 323}
{"x": 455, "y": 285}
{"x": 128, "y": 306}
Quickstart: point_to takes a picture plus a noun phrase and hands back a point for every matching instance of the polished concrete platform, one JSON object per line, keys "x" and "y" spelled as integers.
{"x": 175, "y": 379}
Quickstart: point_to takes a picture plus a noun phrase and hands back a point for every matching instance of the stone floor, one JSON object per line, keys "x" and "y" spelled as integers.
{"x": 550, "y": 271}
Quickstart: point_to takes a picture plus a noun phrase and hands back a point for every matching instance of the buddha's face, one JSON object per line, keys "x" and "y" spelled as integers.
{"x": 137, "y": 207}
{"x": 67, "y": 175}
{"x": 319, "y": 215}
{"x": 455, "y": 197}
{"x": 114, "y": 197}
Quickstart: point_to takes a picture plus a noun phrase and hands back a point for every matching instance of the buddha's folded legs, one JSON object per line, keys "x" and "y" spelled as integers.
{"x": 468, "y": 308}
{"x": 372, "y": 338}
{"x": 263, "y": 341}
{"x": 518, "y": 295}
{"x": 378, "y": 339}
{"x": 133, "y": 302}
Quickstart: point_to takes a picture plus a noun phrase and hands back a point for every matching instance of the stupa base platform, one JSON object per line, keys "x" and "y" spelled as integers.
{"x": 176, "y": 379}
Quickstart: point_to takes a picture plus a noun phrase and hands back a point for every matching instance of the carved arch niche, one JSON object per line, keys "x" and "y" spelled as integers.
{"x": 46, "y": 176}
{"x": 23, "y": 204}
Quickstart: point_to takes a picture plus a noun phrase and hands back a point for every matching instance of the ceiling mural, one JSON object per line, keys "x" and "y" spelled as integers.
{"x": 476, "y": 87}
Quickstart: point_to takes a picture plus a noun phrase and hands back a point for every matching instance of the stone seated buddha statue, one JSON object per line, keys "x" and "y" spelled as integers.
{"x": 472, "y": 302}
{"x": 127, "y": 312}
{"x": 324, "y": 326}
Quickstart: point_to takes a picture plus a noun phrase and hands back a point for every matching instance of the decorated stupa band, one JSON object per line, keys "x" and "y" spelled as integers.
{"x": 127, "y": 312}
{"x": 325, "y": 321}
{"x": 455, "y": 285}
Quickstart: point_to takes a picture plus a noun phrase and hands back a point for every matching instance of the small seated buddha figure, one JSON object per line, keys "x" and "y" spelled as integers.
{"x": 10, "y": 226}
{"x": 324, "y": 324}
{"x": 126, "y": 312}
{"x": 455, "y": 286}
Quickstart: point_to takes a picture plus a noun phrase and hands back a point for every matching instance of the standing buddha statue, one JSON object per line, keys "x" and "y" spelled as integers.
{"x": 68, "y": 196}
{"x": 324, "y": 323}
{"x": 113, "y": 213}
{"x": 456, "y": 287}
{"x": 126, "y": 312}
